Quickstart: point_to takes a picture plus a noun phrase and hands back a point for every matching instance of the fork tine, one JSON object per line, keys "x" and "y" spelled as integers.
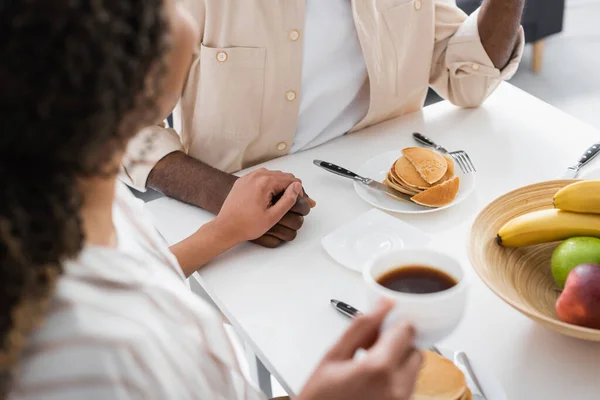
{"x": 463, "y": 157}
{"x": 459, "y": 162}
{"x": 464, "y": 162}
{"x": 470, "y": 162}
{"x": 467, "y": 160}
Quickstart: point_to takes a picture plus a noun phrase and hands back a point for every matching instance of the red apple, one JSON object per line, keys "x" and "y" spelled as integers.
{"x": 579, "y": 303}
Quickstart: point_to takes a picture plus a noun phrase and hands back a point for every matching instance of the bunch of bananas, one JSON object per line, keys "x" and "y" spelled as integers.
{"x": 576, "y": 213}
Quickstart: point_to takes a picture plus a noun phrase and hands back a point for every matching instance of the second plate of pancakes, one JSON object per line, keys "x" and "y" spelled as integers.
{"x": 379, "y": 167}
{"x": 442, "y": 379}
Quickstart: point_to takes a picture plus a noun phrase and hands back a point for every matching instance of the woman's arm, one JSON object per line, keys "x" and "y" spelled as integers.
{"x": 247, "y": 214}
{"x": 211, "y": 240}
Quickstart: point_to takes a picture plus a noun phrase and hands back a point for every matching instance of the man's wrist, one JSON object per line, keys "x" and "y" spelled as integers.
{"x": 222, "y": 188}
{"x": 186, "y": 179}
{"x": 155, "y": 175}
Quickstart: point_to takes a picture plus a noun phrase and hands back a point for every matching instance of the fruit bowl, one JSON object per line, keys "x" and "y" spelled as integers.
{"x": 521, "y": 276}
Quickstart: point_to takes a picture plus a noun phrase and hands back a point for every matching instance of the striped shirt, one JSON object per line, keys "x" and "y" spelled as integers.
{"x": 124, "y": 325}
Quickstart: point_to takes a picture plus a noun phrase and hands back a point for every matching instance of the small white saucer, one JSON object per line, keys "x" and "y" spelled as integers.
{"x": 372, "y": 234}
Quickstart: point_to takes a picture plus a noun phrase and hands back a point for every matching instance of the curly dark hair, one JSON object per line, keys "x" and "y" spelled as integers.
{"x": 76, "y": 78}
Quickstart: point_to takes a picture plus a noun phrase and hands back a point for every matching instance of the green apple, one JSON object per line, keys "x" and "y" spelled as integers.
{"x": 571, "y": 253}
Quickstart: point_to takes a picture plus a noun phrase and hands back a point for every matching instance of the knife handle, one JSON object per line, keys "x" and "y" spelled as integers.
{"x": 335, "y": 169}
{"x": 428, "y": 142}
{"x": 589, "y": 154}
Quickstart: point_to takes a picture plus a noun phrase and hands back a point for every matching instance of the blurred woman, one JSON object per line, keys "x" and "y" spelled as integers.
{"x": 94, "y": 305}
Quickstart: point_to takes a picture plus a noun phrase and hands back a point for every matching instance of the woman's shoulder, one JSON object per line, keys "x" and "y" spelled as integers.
{"x": 145, "y": 341}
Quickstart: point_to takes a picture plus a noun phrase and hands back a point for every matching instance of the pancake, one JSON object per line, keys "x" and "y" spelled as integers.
{"x": 406, "y": 172}
{"x": 467, "y": 395}
{"x": 430, "y": 165}
{"x": 396, "y": 179}
{"x": 397, "y": 182}
{"x": 439, "y": 195}
{"x": 450, "y": 173}
{"x": 439, "y": 379}
{"x": 399, "y": 188}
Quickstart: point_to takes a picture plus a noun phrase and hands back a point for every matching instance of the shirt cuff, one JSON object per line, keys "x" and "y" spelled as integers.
{"x": 467, "y": 56}
{"x": 144, "y": 151}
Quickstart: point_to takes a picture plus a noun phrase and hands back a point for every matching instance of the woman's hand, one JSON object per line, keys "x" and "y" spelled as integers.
{"x": 249, "y": 210}
{"x": 388, "y": 370}
{"x": 247, "y": 214}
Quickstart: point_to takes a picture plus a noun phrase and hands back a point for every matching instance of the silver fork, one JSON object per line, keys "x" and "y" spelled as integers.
{"x": 462, "y": 358}
{"x": 462, "y": 158}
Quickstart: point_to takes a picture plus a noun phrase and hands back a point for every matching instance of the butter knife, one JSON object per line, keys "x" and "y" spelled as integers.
{"x": 573, "y": 171}
{"x": 371, "y": 183}
{"x": 462, "y": 361}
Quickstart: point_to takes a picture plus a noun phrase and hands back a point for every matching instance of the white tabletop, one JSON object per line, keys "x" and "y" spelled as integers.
{"x": 278, "y": 300}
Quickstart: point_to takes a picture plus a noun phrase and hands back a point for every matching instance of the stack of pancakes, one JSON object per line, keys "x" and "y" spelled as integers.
{"x": 440, "y": 379}
{"x": 425, "y": 175}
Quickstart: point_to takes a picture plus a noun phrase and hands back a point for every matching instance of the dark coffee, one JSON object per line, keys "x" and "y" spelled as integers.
{"x": 417, "y": 279}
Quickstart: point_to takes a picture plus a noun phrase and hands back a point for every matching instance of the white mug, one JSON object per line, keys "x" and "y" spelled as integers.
{"x": 433, "y": 315}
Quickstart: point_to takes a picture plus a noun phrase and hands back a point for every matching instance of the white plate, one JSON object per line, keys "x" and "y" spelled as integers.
{"x": 372, "y": 234}
{"x": 493, "y": 390}
{"x": 378, "y": 167}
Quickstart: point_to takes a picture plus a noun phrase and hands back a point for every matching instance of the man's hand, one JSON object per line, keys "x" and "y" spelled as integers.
{"x": 258, "y": 202}
{"x": 255, "y": 204}
{"x": 287, "y": 227}
{"x": 388, "y": 371}
{"x": 183, "y": 178}
{"x": 499, "y": 22}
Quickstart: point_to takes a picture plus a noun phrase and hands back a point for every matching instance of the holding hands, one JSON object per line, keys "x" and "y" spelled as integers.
{"x": 267, "y": 207}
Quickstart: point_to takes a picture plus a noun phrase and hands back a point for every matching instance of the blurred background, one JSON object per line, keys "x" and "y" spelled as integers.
{"x": 561, "y": 64}
{"x": 569, "y": 75}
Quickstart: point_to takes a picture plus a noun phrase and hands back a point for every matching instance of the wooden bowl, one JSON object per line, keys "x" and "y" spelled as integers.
{"x": 521, "y": 276}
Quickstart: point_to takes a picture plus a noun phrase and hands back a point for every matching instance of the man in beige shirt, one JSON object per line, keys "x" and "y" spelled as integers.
{"x": 270, "y": 78}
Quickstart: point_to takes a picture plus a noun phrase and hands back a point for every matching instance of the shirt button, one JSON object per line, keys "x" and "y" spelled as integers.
{"x": 222, "y": 56}
{"x": 418, "y": 5}
{"x": 281, "y": 146}
{"x": 475, "y": 66}
{"x": 290, "y": 95}
{"x": 294, "y": 35}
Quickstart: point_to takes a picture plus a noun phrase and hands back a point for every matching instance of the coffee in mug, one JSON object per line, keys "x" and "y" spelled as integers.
{"x": 429, "y": 289}
{"x": 417, "y": 279}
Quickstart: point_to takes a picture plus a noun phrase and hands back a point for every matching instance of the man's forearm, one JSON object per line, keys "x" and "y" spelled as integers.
{"x": 186, "y": 179}
{"x": 499, "y": 22}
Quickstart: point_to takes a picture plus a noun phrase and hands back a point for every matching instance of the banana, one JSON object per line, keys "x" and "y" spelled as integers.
{"x": 548, "y": 226}
{"x": 582, "y": 197}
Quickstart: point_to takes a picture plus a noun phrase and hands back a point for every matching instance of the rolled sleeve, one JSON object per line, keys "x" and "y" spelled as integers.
{"x": 465, "y": 74}
{"x": 144, "y": 151}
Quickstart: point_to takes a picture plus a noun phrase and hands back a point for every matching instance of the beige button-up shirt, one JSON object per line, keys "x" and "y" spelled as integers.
{"x": 240, "y": 103}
